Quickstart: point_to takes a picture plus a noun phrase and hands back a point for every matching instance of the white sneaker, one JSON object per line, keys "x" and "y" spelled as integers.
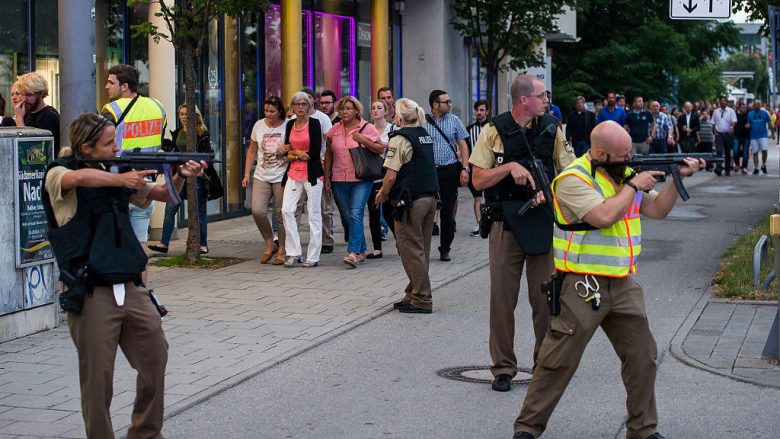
{"x": 292, "y": 261}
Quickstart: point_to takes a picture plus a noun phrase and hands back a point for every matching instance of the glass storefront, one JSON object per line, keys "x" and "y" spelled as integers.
{"x": 28, "y": 36}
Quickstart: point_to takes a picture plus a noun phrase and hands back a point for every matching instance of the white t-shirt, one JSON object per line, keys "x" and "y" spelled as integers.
{"x": 270, "y": 167}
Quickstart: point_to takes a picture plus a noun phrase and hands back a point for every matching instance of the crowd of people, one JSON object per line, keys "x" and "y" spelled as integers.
{"x": 733, "y": 130}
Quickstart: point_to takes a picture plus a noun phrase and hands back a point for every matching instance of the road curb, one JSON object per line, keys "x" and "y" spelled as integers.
{"x": 675, "y": 346}
{"x": 241, "y": 377}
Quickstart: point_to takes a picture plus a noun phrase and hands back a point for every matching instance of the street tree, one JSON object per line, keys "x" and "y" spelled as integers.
{"x": 186, "y": 27}
{"x": 745, "y": 62}
{"x": 757, "y": 11}
{"x": 507, "y": 33}
{"x": 635, "y": 49}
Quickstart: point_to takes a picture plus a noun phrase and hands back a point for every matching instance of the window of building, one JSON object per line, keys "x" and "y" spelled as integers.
{"x": 14, "y": 41}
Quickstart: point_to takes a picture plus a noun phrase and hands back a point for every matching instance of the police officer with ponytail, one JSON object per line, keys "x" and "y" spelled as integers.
{"x": 101, "y": 261}
{"x": 517, "y": 217}
{"x": 411, "y": 185}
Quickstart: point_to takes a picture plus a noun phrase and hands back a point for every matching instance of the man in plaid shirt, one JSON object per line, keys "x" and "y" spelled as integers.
{"x": 662, "y": 132}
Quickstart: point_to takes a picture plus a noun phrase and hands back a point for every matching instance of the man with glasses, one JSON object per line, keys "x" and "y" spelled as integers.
{"x": 386, "y": 94}
{"x": 612, "y": 111}
{"x": 451, "y": 156}
{"x": 328, "y": 106}
{"x": 501, "y": 160}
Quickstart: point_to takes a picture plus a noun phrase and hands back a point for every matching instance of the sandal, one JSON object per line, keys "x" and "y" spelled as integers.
{"x": 279, "y": 260}
{"x": 350, "y": 260}
{"x": 265, "y": 257}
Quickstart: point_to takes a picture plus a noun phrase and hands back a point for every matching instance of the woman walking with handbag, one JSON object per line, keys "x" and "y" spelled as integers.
{"x": 180, "y": 144}
{"x": 350, "y": 192}
{"x": 267, "y": 145}
{"x": 304, "y": 137}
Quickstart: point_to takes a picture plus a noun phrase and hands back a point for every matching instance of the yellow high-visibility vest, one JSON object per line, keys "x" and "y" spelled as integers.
{"x": 143, "y": 127}
{"x": 611, "y": 252}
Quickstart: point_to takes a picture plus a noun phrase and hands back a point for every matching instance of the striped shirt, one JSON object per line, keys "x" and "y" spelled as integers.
{"x": 663, "y": 125}
{"x": 443, "y": 153}
{"x": 705, "y": 132}
{"x": 474, "y": 131}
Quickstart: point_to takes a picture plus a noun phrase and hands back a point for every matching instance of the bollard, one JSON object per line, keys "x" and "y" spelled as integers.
{"x": 772, "y": 346}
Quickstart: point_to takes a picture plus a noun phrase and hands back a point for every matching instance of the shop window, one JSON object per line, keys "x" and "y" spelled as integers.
{"x": 334, "y": 53}
{"x": 14, "y": 57}
{"x": 273, "y": 50}
{"x": 46, "y": 48}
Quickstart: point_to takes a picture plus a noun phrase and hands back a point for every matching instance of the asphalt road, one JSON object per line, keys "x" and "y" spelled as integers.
{"x": 379, "y": 380}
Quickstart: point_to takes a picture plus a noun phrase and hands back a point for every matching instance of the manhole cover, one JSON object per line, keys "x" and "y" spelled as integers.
{"x": 481, "y": 374}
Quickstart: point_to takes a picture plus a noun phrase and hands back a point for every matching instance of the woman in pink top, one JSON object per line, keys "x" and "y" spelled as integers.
{"x": 350, "y": 193}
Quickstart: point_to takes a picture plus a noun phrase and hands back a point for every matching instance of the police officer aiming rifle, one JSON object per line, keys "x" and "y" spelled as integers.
{"x": 101, "y": 262}
{"x": 505, "y": 152}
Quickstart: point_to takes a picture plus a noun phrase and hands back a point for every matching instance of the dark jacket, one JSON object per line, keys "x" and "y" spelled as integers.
{"x": 314, "y": 164}
{"x": 214, "y": 188}
{"x": 695, "y": 126}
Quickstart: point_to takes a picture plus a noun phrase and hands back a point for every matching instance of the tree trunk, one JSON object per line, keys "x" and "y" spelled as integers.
{"x": 491, "y": 81}
{"x": 190, "y": 82}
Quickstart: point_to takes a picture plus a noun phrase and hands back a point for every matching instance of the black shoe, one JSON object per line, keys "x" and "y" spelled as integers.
{"x": 158, "y": 248}
{"x": 326, "y": 249}
{"x": 374, "y": 256}
{"x": 435, "y": 229}
{"x": 523, "y": 435}
{"x": 444, "y": 255}
{"x": 755, "y": 171}
{"x": 400, "y": 304}
{"x": 502, "y": 383}
{"x": 763, "y": 169}
{"x": 656, "y": 435}
{"x": 718, "y": 172}
{"x": 411, "y": 309}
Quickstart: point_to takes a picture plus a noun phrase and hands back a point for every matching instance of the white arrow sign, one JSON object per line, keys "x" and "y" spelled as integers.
{"x": 699, "y": 9}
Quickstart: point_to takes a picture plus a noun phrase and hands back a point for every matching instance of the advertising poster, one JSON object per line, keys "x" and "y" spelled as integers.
{"x": 32, "y": 157}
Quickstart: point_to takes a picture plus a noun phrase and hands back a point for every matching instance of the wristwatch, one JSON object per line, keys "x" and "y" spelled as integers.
{"x": 467, "y": 169}
{"x": 631, "y": 185}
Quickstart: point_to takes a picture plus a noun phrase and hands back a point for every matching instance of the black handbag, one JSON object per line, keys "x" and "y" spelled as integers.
{"x": 368, "y": 165}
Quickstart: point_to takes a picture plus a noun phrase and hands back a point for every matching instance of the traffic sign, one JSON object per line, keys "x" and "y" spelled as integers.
{"x": 699, "y": 9}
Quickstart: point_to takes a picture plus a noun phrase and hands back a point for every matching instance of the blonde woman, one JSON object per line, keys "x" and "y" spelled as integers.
{"x": 384, "y": 128}
{"x": 180, "y": 144}
{"x": 411, "y": 178}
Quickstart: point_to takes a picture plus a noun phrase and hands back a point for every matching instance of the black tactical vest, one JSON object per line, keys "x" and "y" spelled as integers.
{"x": 540, "y": 137}
{"x": 419, "y": 174}
{"x": 99, "y": 235}
{"x": 533, "y": 230}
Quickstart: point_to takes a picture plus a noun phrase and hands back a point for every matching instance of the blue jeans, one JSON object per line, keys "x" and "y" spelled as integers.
{"x": 581, "y": 147}
{"x": 170, "y": 213}
{"x": 351, "y": 199}
{"x": 741, "y": 149}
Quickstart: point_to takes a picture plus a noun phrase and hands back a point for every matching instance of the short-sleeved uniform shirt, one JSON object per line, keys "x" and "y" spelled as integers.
{"x": 576, "y": 198}
{"x": 399, "y": 152}
{"x": 489, "y": 144}
{"x": 65, "y": 202}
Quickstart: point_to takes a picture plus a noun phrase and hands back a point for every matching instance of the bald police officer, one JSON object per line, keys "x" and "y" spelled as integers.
{"x": 597, "y": 241}
{"x": 500, "y": 161}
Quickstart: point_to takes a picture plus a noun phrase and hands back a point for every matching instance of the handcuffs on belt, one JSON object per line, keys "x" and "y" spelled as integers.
{"x": 591, "y": 293}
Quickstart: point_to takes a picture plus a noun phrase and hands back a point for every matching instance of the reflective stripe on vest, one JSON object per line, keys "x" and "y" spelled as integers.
{"x": 143, "y": 128}
{"x": 611, "y": 252}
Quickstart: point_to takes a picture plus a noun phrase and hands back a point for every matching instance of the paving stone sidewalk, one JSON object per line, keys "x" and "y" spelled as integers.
{"x": 224, "y": 325}
{"x": 728, "y": 338}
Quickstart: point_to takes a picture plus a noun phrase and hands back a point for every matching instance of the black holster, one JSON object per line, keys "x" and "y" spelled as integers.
{"x": 78, "y": 285}
{"x": 553, "y": 291}
{"x": 402, "y": 204}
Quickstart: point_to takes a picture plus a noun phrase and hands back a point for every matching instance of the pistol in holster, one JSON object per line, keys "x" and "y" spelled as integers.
{"x": 553, "y": 291}
{"x": 486, "y": 219}
{"x": 78, "y": 285}
{"x": 402, "y": 205}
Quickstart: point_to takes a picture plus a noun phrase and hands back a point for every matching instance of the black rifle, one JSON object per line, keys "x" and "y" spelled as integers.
{"x": 163, "y": 162}
{"x": 666, "y": 163}
{"x": 542, "y": 185}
